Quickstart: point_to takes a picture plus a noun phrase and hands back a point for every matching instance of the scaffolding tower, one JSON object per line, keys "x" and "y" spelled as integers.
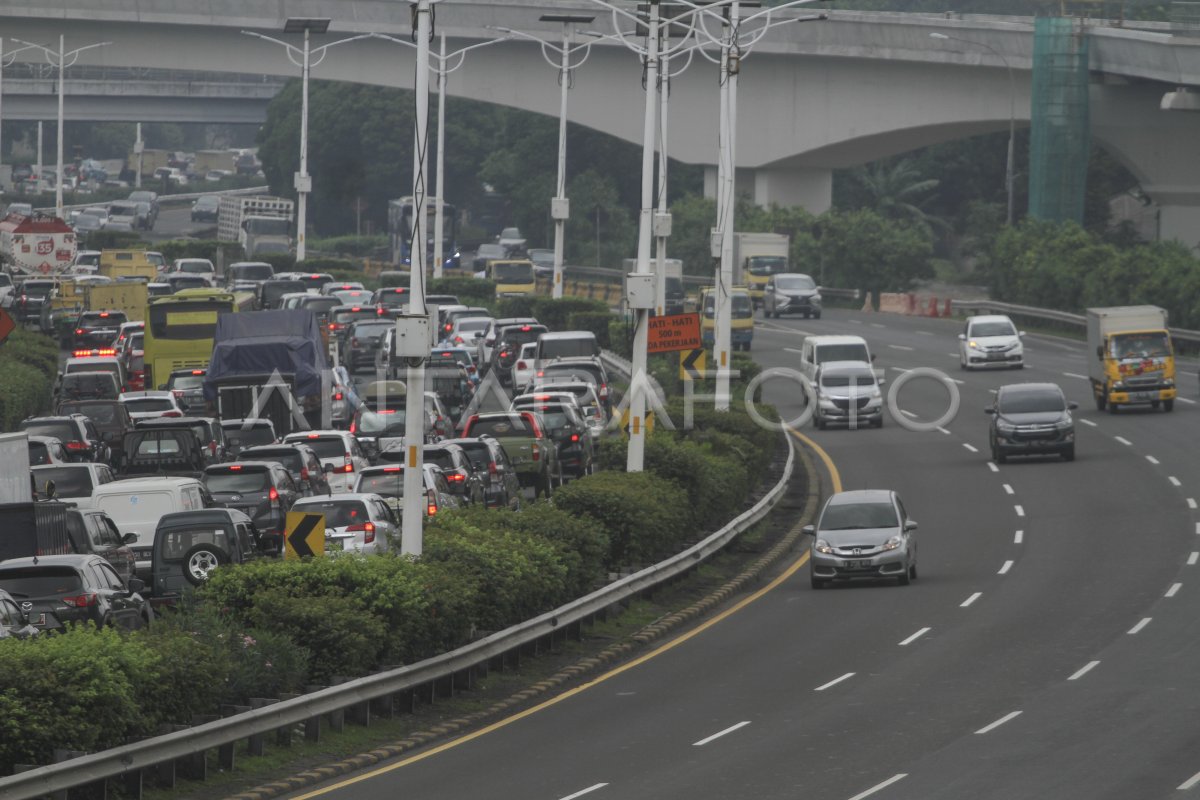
{"x": 1060, "y": 141}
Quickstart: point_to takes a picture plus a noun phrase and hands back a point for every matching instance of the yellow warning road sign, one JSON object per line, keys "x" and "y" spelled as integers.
{"x": 304, "y": 535}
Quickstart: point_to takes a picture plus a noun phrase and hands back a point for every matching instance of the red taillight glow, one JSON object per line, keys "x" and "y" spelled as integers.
{"x": 521, "y": 365}
{"x": 273, "y": 495}
{"x": 303, "y": 474}
{"x": 104, "y": 315}
{"x": 537, "y": 454}
{"x": 314, "y": 436}
{"x": 526, "y": 328}
{"x": 172, "y": 414}
{"x": 235, "y": 468}
{"x": 393, "y": 469}
{"x": 338, "y": 396}
{"x": 574, "y": 437}
{"x": 492, "y": 468}
{"x": 79, "y": 331}
{"x": 80, "y": 600}
{"x": 504, "y": 354}
{"x": 431, "y": 501}
{"x": 365, "y": 528}
{"x": 75, "y": 445}
{"x": 456, "y": 477}
{"x": 197, "y": 372}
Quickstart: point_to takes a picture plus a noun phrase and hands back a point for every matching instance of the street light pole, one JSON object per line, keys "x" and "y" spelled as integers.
{"x": 303, "y": 58}
{"x": 61, "y": 56}
{"x": 1012, "y": 112}
{"x": 412, "y": 535}
{"x": 722, "y": 338}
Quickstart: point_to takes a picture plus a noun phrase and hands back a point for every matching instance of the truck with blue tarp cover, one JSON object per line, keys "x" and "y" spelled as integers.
{"x": 268, "y": 364}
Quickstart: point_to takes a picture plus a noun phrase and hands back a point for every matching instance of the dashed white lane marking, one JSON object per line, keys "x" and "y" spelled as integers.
{"x": 903, "y": 347}
{"x": 855, "y": 321}
{"x": 925, "y": 333}
{"x": 885, "y": 784}
{"x": 972, "y": 448}
{"x": 1084, "y": 670}
{"x": 1191, "y": 503}
{"x": 1187, "y": 400}
{"x": 1019, "y": 537}
{"x": 719, "y": 734}
{"x": 900, "y": 369}
{"x": 943, "y": 430}
{"x": 993, "y": 467}
{"x": 834, "y": 682}
{"x": 1193, "y": 558}
{"x": 1183, "y": 787}
{"x": 914, "y": 637}
{"x": 1144, "y": 622}
{"x": 1152, "y": 459}
{"x": 588, "y": 790}
{"x": 1123, "y": 440}
{"x": 970, "y": 599}
{"x": 1174, "y": 481}
{"x": 1198, "y": 527}
{"x": 878, "y": 325}
{"x": 1004, "y": 569}
{"x": 999, "y": 722}
{"x": 1088, "y": 422}
{"x": 1076, "y": 375}
{"x": 1020, "y": 511}
{"x": 1008, "y": 489}
{"x": 953, "y": 355}
{"x": 1174, "y": 590}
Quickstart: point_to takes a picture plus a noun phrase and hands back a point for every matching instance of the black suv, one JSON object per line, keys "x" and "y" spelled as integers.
{"x": 262, "y": 490}
{"x": 362, "y": 342}
{"x": 189, "y": 545}
{"x": 56, "y": 591}
{"x": 188, "y": 387}
{"x": 502, "y": 487}
{"x": 464, "y": 479}
{"x": 78, "y": 434}
{"x": 508, "y": 346}
{"x": 1031, "y": 418}
{"x": 298, "y": 459}
{"x": 166, "y": 451}
{"x": 97, "y": 328}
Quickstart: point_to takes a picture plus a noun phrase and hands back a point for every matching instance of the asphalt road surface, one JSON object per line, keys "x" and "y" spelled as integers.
{"x": 1049, "y": 649}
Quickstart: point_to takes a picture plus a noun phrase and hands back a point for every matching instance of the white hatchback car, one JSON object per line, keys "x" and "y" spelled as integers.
{"x": 990, "y": 340}
{"x": 151, "y": 404}
{"x": 341, "y": 456}
{"x": 357, "y": 523}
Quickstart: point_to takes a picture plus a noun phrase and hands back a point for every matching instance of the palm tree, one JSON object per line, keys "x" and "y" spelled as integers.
{"x": 897, "y": 191}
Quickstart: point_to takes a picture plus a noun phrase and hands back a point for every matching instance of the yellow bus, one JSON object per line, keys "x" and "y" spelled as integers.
{"x": 741, "y": 317}
{"x": 179, "y": 331}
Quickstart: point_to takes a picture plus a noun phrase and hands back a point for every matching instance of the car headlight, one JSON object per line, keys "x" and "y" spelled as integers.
{"x": 822, "y": 546}
{"x": 1168, "y": 381}
{"x": 816, "y": 298}
{"x": 1064, "y": 425}
{"x": 1005, "y": 427}
{"x": 974, "y": 345}
{"x": 827, "y": 403}
{"x": 893, "y": 543}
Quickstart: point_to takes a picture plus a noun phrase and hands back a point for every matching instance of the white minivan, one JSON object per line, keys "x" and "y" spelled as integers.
{"x": 137, "y": 504}
{"x": 818, "y": 350}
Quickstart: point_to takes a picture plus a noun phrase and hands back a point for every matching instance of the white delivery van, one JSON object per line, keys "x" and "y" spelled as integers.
{"x": 137, "y": 504}
{"x": 818, "y": 350}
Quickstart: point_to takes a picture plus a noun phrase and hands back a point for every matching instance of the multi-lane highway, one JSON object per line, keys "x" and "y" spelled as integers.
{"x": 1048, "y": 649}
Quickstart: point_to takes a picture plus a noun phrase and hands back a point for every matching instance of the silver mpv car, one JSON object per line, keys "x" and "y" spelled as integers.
{"x": 864, "y": 533}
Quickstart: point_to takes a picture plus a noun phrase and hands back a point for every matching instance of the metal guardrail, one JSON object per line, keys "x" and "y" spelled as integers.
{"x": 1050, "y": 315}
{"x": 148, "y": 753}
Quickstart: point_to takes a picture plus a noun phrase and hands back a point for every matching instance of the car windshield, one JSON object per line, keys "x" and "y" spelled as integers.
{"x": 40, "y": 581}
{"x": 389, "y": 483}
{"x": 105, "y": 320}
{"x": 500, "y": 426}
{"x": 858, "y": 377}
{"x": 186, "y": 381}
{"x": 490, "y": 251}
{"x": 237, "y": 481}
{"x": 794, "y": 283}
{"x": 99, "y": 413}
{"x": 69, "y": 481}
{"x": 478, "y": 453}
{"x": 856, "y": 516}
{"x": 1001, "y": 328}
{"x": 740, "y": 306}
{"x": 471, "y": 325}
{"x": 442, "y": 459}
{"x": 89, "y": 383}
{"x": 1141, "y": 345}
{"x": 173, "y": 543}
{"x": 199, "y": 267}
{"x": 39, "y": 453}
{"x": 64, "y": 431}
{"x": 251, "y": 272}
{"x": 1031, "y": 402}
{"x": 841, "y": 352}
{"x": 338, "y": 513}
{"x": 327, "y": 446}
{"x": 248, "y": 437}
{"x": 153, "y": 446}
{"x": 134, "y": 506}
{"x": 385, "y": 422}
{"x": 514, "y": 273}
{"x": 148, "y": 405}
{"x": 371, "y": 330}
{"x": 569, "y": 347}
{"x": 523, "y": 334}
{"x": 767, "y": 265}
{"x": 289, "y": 458}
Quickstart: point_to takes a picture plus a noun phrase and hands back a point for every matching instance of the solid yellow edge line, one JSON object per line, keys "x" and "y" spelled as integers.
{"x": 789, "y": 572}
{"x": 834, "y": 475}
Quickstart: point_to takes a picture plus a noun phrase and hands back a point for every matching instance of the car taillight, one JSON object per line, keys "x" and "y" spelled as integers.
{"x": 521, "y": 365}
{"x": 366, "y": 528}
{"x": 604, "y": 390}
{"x": 79, "y": 331}
{"x": 347, "y": 465}
{"x": 212, "y": 448}
{"x": 537, "y": 455}
{"x": 504, "y": 354}
{"x": 303, "y": 473}
{"x": 172, "y": 414}
{"x": 574, "y": 437}
{"x": 81, "y": 600}
{"x": 431, "y": 500}
{"x": 273, "y": 495}
{"x": 76, "y": 445}
{"x": 492, "y": 468}
{"x": 338, "y": 396}
{"x": 456, "y": 477}
{"x": 353, "y": 426}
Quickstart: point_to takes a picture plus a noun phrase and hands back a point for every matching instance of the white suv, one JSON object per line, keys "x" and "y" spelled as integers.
{"x": 341, "y": 456}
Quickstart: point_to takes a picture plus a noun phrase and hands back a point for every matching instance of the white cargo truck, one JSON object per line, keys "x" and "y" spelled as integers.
{"x": 260, "y": 224}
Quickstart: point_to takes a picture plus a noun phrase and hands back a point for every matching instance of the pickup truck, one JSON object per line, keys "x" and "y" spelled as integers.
{"x": 526, "y": 441}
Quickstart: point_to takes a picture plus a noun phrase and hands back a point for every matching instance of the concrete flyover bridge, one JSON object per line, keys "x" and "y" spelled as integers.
{"x": 813, "y": 97}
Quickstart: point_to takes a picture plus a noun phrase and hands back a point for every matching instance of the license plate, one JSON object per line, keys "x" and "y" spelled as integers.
{"x": 995, "y": 356}
{"x": 1143, "y": 396}
{"x": 864, "y": 563}
{"x": 37, "y": 619}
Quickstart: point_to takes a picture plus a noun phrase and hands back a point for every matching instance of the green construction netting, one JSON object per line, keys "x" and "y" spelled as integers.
{"x": 1059, "y": 137}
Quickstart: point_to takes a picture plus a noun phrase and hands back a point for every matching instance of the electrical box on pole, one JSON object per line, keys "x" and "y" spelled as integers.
{"x": 641, "y": 290}
{"x": 560, "y": 208}
{"x": 662, "y": 224}
{"x": 412, "y": 337}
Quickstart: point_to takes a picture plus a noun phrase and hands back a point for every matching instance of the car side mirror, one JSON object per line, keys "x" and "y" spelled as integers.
{"x": 136, "y": 585}
{"x": 910, "y": 525}
{"x": 989, "y": 410}
{"x": 1071, "y": 406}
{"x": 809, "y": 530}
{"x": 962, "y": 337}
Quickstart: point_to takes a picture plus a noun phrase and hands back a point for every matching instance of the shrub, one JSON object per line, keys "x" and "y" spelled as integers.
{"x": 115, "y": 240}
{"x": 469, "y": 291}
{"x": 645, "y": 515}
{"x": 342, "y": 636}
{"x": 350, "y": 245}
{"x": 556, "y": 314}
{"x": 595, "y": 321}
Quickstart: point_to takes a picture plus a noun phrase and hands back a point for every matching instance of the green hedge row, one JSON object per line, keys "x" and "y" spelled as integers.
{"x": 28, "y": 362}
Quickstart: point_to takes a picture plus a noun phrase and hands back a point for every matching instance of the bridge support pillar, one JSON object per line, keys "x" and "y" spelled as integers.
{"x": 1178, "y": 216}
{"x": 811, "y": 188}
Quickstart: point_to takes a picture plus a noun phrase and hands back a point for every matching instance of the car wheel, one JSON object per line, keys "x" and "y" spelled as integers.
{"x": 1101, "y": 402}
{"x": 817, "y": 315}
{"x": 878, "y": 423}
{"x": 817, "y": 583}
{"x": 1168, "y": 405}
{"x": 818, "y": 422}
{"x": 200, "y": 561}
{"x": 1069, "y": 453}
{"x": 905, "y": 577}
{"x": 912, "y": 572}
